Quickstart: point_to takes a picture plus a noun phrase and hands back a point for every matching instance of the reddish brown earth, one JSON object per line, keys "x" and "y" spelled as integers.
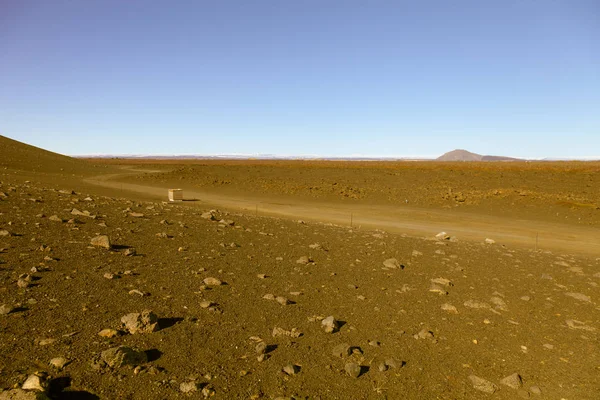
{"x": 498, "y": 309}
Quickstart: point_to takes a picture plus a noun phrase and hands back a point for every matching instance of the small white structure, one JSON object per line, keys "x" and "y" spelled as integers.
{"x": 175, "y": 194}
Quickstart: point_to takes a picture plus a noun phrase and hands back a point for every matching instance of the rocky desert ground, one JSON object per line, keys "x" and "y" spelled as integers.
{"x": 108, "y": 291}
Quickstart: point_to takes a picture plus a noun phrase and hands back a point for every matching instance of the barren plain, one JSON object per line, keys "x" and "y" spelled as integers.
{"x": 297, "y": 280}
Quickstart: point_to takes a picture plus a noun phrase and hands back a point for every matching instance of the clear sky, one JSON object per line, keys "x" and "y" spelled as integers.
{"x": 302, "y": 77}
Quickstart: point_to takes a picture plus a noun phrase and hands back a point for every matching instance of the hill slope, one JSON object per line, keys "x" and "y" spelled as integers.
{"x": 464, "y": 155}
{"x": 23, "y": 157}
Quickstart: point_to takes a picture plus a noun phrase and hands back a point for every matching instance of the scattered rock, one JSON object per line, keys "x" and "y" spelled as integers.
{"x": 212, "y": 281}
{"x": 535, "y": 390}
{"x": 449, "y": 308}
{"x": 188, "y": 387}
{"x": 56, "y": 218}
{"x": 130, "y": 251}
{"x": 330, "y": 324}
{"x": 6, "y": 309}
{"x": 304, "y": 260}
{"x": 352, "y": 369}
{"x": 37, "y": 381}
{"x": 342, "y": 350}
{"x": 483, "y": 385}
{"x": 442, "y": 236}
{"x": 4, "y": 232}
{"x": 145, "y": 322}
{"x": 489, "y": 241}
{"x": 435, "y": 288}
{"x": 101, "y": 241}
{"x": 294, "y": 333}
{"x": 291, "y": 369}
{"x": 513, "y": 381}
{"x": 120, "y": 356}
{"x": 261, "y": 348}
{"x": 424, "y": 334}
{"x": 59, "y": 362}
{"x": 392, "y": 263}
{"x": 136, "y": 215}
{"x": 574, "y": 324}
{"x": 108, "y": 333}
{"x": 579, "y": 296}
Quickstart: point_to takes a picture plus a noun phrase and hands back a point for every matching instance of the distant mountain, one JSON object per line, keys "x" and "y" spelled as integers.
{"x": 464, "y": 155}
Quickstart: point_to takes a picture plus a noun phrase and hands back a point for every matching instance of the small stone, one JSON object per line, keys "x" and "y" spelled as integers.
{"x": 513, "y": 381}
{"x": 424, "y": 334}
{"x": 449, "y": 308}
{"x": 46, "y": 342}
{"x": 290, "y": 369}
{"x": 261, "y": 348}
{"x": 208, "y": 391}
{"x": 392, "y": 263}
{"x": 579, "y": 296}
{"x": 304, "y": 260}
{"x": 117, "y": 357}
{"x": 382, "y": 367}
{"x": 261, "y": 276}
{"x": 416, "y": 253}
{"x": 56, "y": 218}
{"x": 374, "y": 343}
{"x": 59, "y": 362}
{"x": 212, "y": 281}
{"x": 130, "y": 251}
{"x": 269, "y": 296}
{"x": 535, "y": 390}
{"x": 442, "y": 236}
{"x": 282, "y": 300}
{"x": 329, "y": 324}
{"x": 145, "y": 322}
{"x": 489, "y": 241}
{"x": 108, "y": 333}
{"x": 206, "y": 304}
{"x": 352, "y": 369}
{"x": 188, "y": 387}
{"x": 393, "y": 363}
{"x": 37, "y": 381}
{"x": 483, "y": 385}
{"x": 101, "y": 241}
{"x": 4, "y": 232}
{"x": 109, "y": 275}
{"x": 341, "y": 350}
{"x": 6, "y": 309}
{"x": 435, "y": 288}
{"x": 136, "y": 215}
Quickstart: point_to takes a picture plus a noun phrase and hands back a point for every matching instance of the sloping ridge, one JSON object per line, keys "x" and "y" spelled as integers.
{"x": 464, "y": 155}
{"x": 460, "y": 155}
{"x": 23, "y": 157}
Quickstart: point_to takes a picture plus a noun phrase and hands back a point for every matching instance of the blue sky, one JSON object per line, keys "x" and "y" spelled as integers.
{"x": 382, "y": 78}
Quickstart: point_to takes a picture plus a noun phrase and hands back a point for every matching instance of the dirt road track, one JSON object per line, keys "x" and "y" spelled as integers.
{"x": 408, "y": 220}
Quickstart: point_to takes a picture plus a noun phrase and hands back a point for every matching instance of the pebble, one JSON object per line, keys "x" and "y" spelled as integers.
{"x": 101, "y": 241}
{"x": 392, "y": 263}
{"x": 6, "y": 309}
{"x": 449, "y": 308}
{"x": 261, "y": 348}
{"x": 130, "y": 251}
{"x": 329, "y": 324}
{"x": 342, "y": 350}
{"x": 210, "y": 281}
{"x": 37, "y": 381}
{"x": 483, "y": 385}
{"x": 117, "y": 357}
{"x": 290, "y": 369}
{"x": 145, "y": 322}
{"x": 59, "y": 362}
{"x": 304, "y": 260}
{"x": 352, "y": 369}
{"x": 535, "y": 390}
{"x": 513, "y": 381}
{"x": 188, "y": 387}
{"x": 206, "y": 303}
{"x": 579, "y": 296}
{"x": 108, "y": 333}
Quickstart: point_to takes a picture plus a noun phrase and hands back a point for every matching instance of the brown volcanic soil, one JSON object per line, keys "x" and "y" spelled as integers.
{"x": 516, "y": 310}
{"x": 565, "y": 192}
